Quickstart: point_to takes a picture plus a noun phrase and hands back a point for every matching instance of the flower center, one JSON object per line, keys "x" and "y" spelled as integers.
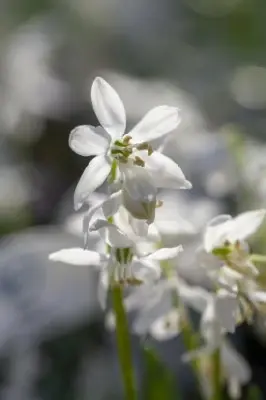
{"x": 122, "y": 150}
{"x": 122, "y": 273}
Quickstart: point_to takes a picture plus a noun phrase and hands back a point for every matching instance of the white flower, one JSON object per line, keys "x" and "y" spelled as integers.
{"x": 120, "y": 266}
{"x": 219, "y": 317}
{"x": 135, "y": 230}
{"x": 224, "y": 228}
{"x": 155, "y": 313}
{"x": 236, "y": 370}
{"x": 224, "y": 240}
{"x": 108, "y": 142}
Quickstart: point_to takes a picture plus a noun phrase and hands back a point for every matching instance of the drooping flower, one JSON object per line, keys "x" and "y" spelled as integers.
{"x": 109, "y": 144}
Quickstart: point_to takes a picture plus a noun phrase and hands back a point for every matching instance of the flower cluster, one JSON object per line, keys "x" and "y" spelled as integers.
{"x": 135, "y": 254}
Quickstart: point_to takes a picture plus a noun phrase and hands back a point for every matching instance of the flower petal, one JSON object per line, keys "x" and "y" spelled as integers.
{"x": 108, "y": 108}
{"x": 102, "y": 290}
{"x": 78, "y": 256}
{"x": 194, "y": 296}
{"x": 259, "y": 296}
{"x": 226, "y": 306}
{"x": 112, "y": 235}
{"x": 219, "y": 219}
{"x": 217, "y": 233}
{"x": 107, "y": 207}
{"x": 87, "y": 140}
{"x": 146, "y": 271}
{"x": 93, "y": 177}
{"x": 139, "y": 194}
{"x": 140, "y": 210}
{"x": 246, "y": 224}
{"x": 111, "y": 205}
{"x": 164, "y": 254}
{"x": 167, "y": 326}
{"x": 210, "y": 327}
{"x": 165, "y": 172}
{"x": 155, "y": 124}
{"x": 132, "y": 227}
{"x": 138, "y": 183}
{"x": 234, "y": 364}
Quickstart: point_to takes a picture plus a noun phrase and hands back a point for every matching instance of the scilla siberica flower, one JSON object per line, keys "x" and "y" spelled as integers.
{"x": 130, "y": 152}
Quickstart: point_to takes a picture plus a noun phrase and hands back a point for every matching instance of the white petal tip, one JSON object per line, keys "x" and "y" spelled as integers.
{"x": 187, "y": 185}
{"x": 97, "y": 81}
{"x": 53, "y": 257}
{"x": 77, "y": 207}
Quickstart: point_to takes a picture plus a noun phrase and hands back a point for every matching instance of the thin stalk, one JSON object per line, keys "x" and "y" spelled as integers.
{"x": 122, "y": 331}
{"x": 123, "y": 343}
{"x": 216, "y": 375}
{"x": 190, "y": 339}
{"x": 259, "y": 258}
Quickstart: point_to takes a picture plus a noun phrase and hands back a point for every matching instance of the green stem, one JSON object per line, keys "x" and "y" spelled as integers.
{"x": 216, "y": 375}
{"x": 123, "y": 344}
{"x": 259, "y": 258}
{"x": 112, "y": 175}
{"x": 190, "y": 340}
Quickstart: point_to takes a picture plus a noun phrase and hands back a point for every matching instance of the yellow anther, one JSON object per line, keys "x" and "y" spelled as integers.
{"x": 126, "y": 139}
{"x": 138, "y": 161}
{"x": 143, "y": 146}
{"x": 150, "y": 150}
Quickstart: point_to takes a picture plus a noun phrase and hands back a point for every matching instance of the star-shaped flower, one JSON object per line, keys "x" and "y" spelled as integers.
{"x": 111, "y": 146}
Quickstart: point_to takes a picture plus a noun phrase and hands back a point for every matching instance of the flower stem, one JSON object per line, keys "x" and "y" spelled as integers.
{"x": 189, "y": 336}
{"x": 123, "y": 343}
{"x": 259, "y": 258}
{"x": 216, "y": 375}
{"x": 190, "y": 340}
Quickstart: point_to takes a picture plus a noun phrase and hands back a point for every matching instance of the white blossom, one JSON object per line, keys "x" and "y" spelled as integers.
{"x": 224, "y": 228}
{"x": 109, "y": 143}
{"x": 122, "y": 265}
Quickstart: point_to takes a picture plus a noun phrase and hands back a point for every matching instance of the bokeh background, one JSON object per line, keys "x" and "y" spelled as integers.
{"x": 207, "y": 57}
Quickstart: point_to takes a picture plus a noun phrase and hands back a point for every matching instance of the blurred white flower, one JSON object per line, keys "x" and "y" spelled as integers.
{"x": 182, "y": 215}
{"x": 218, "y": 318}
{"x": 224, "y": 228}
{"x": 27, "y": 73}
{"x": 236, "y": 370}
{"x": 154, "y": 312}
{"x": 225, "y": 246}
